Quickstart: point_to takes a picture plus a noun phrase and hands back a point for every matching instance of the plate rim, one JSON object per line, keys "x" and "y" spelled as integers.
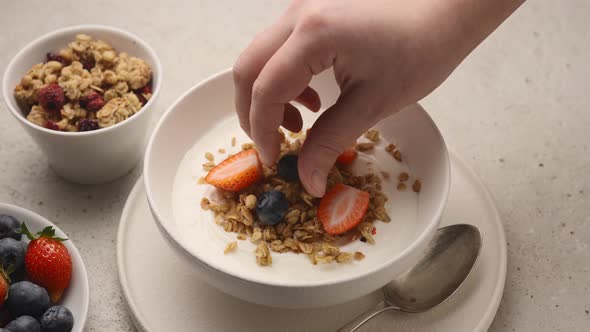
{"x": 490, "y": 314}
{"x": 483, "y": 325}
{"x": 135, "y": 316}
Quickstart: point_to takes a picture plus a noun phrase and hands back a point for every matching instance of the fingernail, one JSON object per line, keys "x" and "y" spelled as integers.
{"x": 266, "y": 161}
{"x": 262, "y": 156}
{"x": 318, "y": 183}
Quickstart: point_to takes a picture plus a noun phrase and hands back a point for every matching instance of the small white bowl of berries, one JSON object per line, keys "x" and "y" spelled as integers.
{"x": 43, "y": 281}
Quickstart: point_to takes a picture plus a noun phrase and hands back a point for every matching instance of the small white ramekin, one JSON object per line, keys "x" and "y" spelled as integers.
{"x": 95, "y": 156}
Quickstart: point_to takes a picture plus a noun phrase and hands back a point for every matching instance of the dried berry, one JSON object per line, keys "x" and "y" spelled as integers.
{"x": 141, "y": 92}
{"x": 87, "y": 125}
{"x": 56, "y": 57}
{"x": 92, "y": 101}
{"x": 87, "y": 61}
{"x": 146, "y": 89}
{"x": 51, "y": 125}
{"x": 141, "y": 98}
{"x": 95, "y": 104}
{"x": 52, "y": 98}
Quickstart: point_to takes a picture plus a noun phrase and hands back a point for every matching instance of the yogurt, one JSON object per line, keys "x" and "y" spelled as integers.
{"x": 207, "y": 240}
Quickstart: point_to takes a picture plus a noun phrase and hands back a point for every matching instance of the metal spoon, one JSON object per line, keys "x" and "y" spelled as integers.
{"x": 446, "y": 263}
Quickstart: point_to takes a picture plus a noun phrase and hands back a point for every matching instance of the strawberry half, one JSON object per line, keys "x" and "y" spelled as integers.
{"x": 236, "y": 172}
{"x": 342, "y": 208}
{"x": 48, "y": 262}
{"x": 347, "y": 157}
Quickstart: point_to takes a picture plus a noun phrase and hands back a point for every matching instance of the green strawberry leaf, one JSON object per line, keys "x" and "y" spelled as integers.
{"x": 48, "y": 232}
{"x": 25, "y": 231}
{"x": 10, "y": 270}
{"x": 5, "y": 273}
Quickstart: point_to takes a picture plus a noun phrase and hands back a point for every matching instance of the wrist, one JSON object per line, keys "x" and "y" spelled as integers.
{"x": 471, "y": 21}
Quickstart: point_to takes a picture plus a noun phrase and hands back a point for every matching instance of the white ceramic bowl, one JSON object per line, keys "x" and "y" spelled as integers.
{"x": 77, "y": 295}
{"x": 292, "y": 281}
{"x": 95, "y": 156}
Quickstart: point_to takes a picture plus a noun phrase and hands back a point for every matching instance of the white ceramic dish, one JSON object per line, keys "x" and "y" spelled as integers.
{"x": 95, "y": 156}
{"x": 77, "y": 296}
{"x": 189, "y": 304}
{"x": 210, "y": 104}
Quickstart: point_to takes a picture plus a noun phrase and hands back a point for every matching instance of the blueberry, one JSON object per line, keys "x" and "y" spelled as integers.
{"x": 271, "y": 207}
{"x": 26, "y": 298}
{"x": 9, "y": 226}
{"x": 24, "y": 324}
{"x": 4, "y": 317}
{"x": 12, "y": 253}
{"x": 57, "y": 319}
{"x": 288, "y": 168}
{"x": 20, "y": 274}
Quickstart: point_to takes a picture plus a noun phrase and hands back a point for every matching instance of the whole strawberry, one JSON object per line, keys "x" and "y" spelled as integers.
{"x": 52, "y": 98}
{"x": 48, "y": 262}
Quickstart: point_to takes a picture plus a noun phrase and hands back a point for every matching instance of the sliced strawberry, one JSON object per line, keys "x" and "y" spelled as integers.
{"x": 342, "y": 208}
{"x": 347, "y": 157}
{"x": 236, "y": 172}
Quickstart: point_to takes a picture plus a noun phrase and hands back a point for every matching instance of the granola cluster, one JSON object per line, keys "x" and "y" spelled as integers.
{"x": 300, "y": 231}
{"x": 86, "y": 86}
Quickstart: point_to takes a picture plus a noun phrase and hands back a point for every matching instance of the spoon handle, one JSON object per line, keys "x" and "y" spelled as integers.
{"x": 361, "y": 319}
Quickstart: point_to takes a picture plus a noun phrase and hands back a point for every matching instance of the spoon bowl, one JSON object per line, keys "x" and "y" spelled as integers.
{"x": 445, "y": 264}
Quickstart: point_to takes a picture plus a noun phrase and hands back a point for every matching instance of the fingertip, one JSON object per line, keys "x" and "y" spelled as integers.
{"x": 318, "y": 183}
{"x": 268, "y": 148}
{"x": 312, "y": 177}
{"x": 264, "y": 159}
{"x": 245, "y": 126}
{"x": 314, "y": 183}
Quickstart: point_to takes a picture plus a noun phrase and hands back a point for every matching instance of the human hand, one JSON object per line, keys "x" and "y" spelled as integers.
{"x": 386, "y": 54}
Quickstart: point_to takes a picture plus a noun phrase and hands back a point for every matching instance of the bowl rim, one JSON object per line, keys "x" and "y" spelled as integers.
{"x": 71, "y": 248}
{"x": 416, "y": 243}
{"x": 7, "y": 91}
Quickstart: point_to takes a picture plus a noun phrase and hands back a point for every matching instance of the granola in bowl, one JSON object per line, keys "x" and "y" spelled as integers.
{"x": 299, "y": 223}
{"x": 86, "y": 86}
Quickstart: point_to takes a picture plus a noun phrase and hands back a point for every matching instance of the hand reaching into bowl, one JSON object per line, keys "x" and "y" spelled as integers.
{"x": 386, "y": 55}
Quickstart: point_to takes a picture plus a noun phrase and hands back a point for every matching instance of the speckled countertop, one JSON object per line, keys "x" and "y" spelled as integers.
{"x": 518, "y": 110}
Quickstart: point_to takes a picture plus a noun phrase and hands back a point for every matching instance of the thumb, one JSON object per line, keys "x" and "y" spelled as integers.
{"x": 334, "y": 131}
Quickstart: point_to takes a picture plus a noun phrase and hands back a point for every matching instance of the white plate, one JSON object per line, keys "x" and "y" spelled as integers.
{"x": 164, "y": 294}
{"x": 77, "y": 295}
